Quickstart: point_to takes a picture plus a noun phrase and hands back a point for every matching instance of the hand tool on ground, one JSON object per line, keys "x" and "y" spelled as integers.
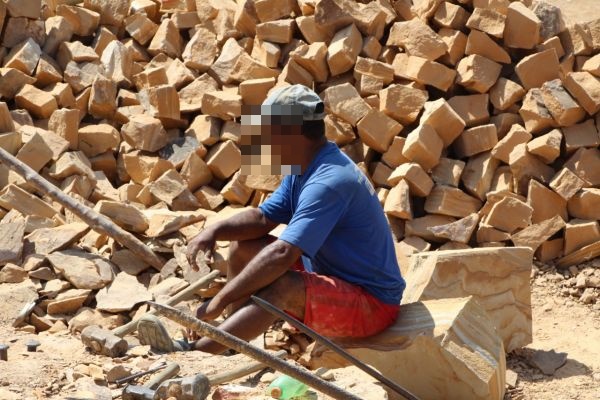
{"x": 23, "y": 315}
{"x": 241, "y": 346}
{"x": 32, "y": 345}
{"x": 3, "y": 352}
{"x": 132, "y": 377}
{"x": 330, "y": 344}
{"x": 149, "y": 389}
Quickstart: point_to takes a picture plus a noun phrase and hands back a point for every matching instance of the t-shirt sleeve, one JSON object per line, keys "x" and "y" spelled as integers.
{"x": 319, "y": 209}
{"x": 278, "y": 207}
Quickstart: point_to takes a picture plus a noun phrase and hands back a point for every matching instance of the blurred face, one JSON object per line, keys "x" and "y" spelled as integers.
{"x": 271, "y": 144}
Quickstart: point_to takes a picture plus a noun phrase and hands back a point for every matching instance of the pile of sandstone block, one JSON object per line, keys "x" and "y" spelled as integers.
{"x": 476, "y": 121}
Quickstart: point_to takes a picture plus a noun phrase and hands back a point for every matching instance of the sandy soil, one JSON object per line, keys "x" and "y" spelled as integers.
{"x": 578, "y": 10}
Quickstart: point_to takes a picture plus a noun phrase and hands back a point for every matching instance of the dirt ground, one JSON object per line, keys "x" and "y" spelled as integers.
{"x": 560, "y": 324}
{"x": 578, "y": 10}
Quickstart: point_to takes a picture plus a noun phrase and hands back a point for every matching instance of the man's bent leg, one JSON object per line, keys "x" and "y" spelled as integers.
{"x": 288, "y": 292}
{"x": 240, "y": 254}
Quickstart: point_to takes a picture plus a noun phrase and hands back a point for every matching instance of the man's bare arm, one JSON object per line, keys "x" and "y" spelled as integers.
{"x": 250, "y": 224}
{"x": 268, "y": 265}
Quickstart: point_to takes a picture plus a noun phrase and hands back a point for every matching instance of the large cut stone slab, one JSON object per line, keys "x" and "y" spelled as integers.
{"x": 498, "y": 277}
{"x": 123, "y": 294}
{"x": 83, "y": 270}
{"x": 437, "y": 349}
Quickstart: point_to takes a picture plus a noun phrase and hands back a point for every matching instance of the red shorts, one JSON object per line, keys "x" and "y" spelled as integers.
{"x": 336, "y": 308}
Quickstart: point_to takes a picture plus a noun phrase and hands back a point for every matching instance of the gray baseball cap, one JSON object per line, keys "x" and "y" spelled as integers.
{"x": 295, "y": 99}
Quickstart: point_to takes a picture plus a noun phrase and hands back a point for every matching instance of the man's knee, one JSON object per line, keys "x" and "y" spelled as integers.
{"x": 287, "y": 292}
{"x": 246, "y": 249}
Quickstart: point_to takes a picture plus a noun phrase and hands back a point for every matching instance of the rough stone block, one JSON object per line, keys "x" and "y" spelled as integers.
{"x": 488, "y": 275}
{"x": 579, "y": 233}
{"x": 166, "y": 40}
{"x": 39, "y": 103}
{"x": 534, "y": 235}
{"x": 581, "y": 135}
{"x": 546, "y": 147}
{"x": 345, "y": 102}
{"x": 477, "y": 73}
{"x": 97, "y": 139}
{"x": 517, "y": 135}
{"x": 343, "y": 50}
{"x": 143, "y": 132}
{"x": 141, "y": 28}
{"x": 522, "y": 30}
{"x": 480, "y": 43}
{"x": 506, "y": 93}
{"x": 281, "y": 31}
{"x": 24, "y": 57}
{"x": 456, "y": 41}
{"x": 487, "y": 20}
{"x": 585, "y": 163}
{"x": 509, "y": 214}
{"x": 451, "y": 201}
{"x": 564, "y": 109}
{"x": 419, "y": 182}
{"x": 545, "y": 203}
{"x": 161, "y": 102}
{"x": 478, "y": 174}
{"x": 377, "y": 130}
{"x": 525, "y": 166}
{"x": 423, "y": 146}
{"x": 429, "y": 46}
{"x": 422, "y": 227}
{"x": 450, "y": 15}
{"x": 125, "y": 215}
{"x": 538, "y": 68}
{"x": 476, "y": 140}
{"x": 447, "y": 123}
{"x": 448, "y": 172}
{"x": 473, "y": 109}
{"x": 459, "y": 231}
{"x": 536, "y": 116}
{"x": 35, "y": 153}
{"x": 567, "y": 184}
{"x": 397, "y": 203}
{"x": 200, "y": 52}
{"x": 224, "y": 159}
{"x": 402, "y": 103}
{"x": 11, "y": 242}
{"x": 583, "y": 204}
{"x": 427, "y": 72}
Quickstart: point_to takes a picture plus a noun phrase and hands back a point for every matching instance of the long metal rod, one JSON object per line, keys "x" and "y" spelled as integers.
{"x": 334, "y": 347}
{"x": 239, "y": 345}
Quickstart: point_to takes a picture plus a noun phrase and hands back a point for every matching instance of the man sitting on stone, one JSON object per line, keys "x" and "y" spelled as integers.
{"x": 334, "y": 265}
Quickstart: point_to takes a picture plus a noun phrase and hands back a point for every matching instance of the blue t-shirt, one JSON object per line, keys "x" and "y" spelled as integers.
{"x": 333, "y": 215}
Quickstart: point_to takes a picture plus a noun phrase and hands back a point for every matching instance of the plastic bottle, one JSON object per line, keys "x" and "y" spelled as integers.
{"x": 285, "y": 388}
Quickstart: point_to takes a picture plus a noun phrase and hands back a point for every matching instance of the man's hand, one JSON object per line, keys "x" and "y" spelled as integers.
{"x": 209, "y": 310}
{"x": 205, "y": 242}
